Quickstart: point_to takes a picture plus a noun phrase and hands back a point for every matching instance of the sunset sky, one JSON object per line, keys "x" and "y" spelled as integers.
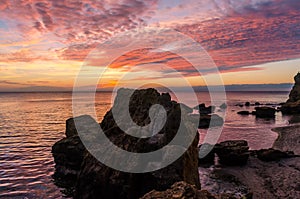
{"x": 43, "y": 43}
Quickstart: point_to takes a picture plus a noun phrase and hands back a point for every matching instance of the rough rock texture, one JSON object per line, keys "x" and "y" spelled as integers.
{"x": 99, "y": 181}
{"x": 232, "y": 153}
{"x": 182, "y": 190}
{"x": 292, "y": 106}
{"x": 265, "y": 112}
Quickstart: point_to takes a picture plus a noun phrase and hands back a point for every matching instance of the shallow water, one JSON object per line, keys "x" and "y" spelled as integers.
{"x": 30, "y": 123}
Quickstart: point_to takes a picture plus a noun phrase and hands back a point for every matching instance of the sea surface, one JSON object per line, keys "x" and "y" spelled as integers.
{"x": 30, "y": 123}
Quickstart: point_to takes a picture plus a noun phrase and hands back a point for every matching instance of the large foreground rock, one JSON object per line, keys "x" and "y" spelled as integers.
{"x": 96, "y": 180}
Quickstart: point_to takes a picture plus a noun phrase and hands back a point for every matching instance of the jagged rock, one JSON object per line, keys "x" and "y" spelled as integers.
{"x": 232, "y": 153}
{"x": 96, "y": 180}
{"x": 182, "y": 190}
{"x": 265, "y": 112}
{"x": 272, "y": 154}
{"x": 243, "y": 113}
{"x": 207, "y": 121}
{"x": 205, "y": 110}
{"x": 292, "y": 106}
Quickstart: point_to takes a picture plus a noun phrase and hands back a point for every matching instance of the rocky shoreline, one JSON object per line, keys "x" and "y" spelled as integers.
{"x": 230, "y": 170}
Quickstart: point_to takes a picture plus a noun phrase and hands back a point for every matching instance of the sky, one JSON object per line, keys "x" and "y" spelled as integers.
{"x": 44, "y": 44}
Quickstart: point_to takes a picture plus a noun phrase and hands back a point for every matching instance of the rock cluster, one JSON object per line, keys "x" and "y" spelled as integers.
{"x": 182, "y": 190}
{"x": 292, "y": 106}
{"x": 96, "y": 180}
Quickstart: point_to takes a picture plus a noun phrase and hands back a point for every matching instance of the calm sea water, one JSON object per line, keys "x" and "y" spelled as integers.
{"x": 30, "y": 123}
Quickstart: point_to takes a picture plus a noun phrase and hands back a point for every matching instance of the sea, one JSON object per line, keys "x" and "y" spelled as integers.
{"x": 30, "y": 123}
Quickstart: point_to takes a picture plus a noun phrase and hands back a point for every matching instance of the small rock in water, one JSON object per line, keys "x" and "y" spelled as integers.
{"x": 233, "y": 153}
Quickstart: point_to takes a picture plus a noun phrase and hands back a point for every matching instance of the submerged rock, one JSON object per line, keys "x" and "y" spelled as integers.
{"x": 233, "y": 153}
{"x": 265, "y": 112}
{"x": 243, "y": 113}
{"x": 272, "y": 154}
{"x": 97, "y": 180}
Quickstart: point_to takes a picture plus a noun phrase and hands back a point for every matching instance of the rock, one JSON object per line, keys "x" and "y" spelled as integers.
{"x": 205, "y": 110}
{"x": 243, "y": 113}
{"x": 207, "y": 121}
{"x": 292, "y": 106}
{"x": 209, "y": 159}
{"x": 223, "y": 106}
{"x": 253, "y": 113}
{"x": 233, "y": 153}
{"x": 294, "y": 119}
{"x": 84, "y": 121}
{"x": 265, "y": 112}
{"x": 257, "y": 104}
{"x": 272, "y": 154}
{"x": 96, "y": 180}
{"x": 182, "y": 190}
{"x": 247, "y": 104}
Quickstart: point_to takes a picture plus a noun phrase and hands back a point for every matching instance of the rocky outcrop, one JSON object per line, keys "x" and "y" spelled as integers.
{"x": 96, "y": 180}
{"x": 182, "y": 190}
{"x": 232, "y": 153}
{"x": 265, "y": 112}
{"x": 292, "y": 106}
{"x": 205, "y": 110}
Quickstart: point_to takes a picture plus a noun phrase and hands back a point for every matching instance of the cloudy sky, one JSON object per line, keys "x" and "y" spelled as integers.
{"x": 44, "y": 43}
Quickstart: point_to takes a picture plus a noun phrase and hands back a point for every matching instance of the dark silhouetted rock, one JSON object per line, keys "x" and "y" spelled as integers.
{"x": 182, "y": 190}
{"x": 243, "y": 113}
{"x": 272, "y": 154}
{"x": 96, "y": 180}
{"x": 247, "y": 104}
{"x": 257, "y": 104}
{"x": 233, "y": 153}
{"x": 265, "y": 112}
{"x": 205, "y": 110}
{"x": 292, "y": 106}
{"x": 207, "y": 121}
